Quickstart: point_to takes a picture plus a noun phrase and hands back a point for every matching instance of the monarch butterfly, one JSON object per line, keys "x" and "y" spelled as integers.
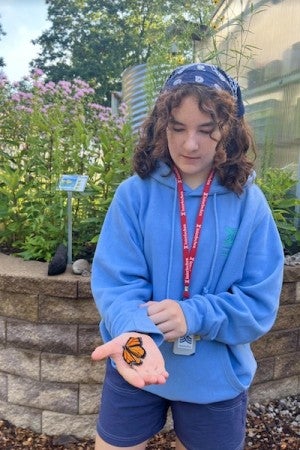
{"x": 133, "y": 352}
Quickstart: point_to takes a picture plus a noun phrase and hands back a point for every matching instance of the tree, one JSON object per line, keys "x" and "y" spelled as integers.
{"x": 96, "y": 41}
{"x": 2, "y": 33}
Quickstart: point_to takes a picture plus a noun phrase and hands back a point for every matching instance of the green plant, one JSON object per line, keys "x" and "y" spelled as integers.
{"x": 279, "y": 186}
{"x": 159, "y": 66}
{"x": 231, "y": 49}
{"x": 50, "y": 129}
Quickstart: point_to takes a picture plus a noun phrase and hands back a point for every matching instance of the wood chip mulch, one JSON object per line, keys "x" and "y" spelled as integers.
{"x": 275, "y": 426}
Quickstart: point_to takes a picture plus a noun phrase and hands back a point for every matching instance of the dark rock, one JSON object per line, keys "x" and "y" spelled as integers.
{"x": 58, "y": 263}
{"x": 65, "y": 439}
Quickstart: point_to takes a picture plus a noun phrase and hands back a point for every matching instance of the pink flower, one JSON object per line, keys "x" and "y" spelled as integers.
{"x": 79, "y": 94}
{"x": 24, "y": 108}
{"x": 3, "y": 79}
{"x": 36, "y": 73}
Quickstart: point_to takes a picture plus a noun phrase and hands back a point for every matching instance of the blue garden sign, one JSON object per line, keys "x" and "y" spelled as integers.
{"x": 71, "y": 183}
{"x": 75, "y": 183}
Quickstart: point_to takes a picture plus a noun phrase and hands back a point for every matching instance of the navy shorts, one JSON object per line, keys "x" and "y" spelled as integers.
{"x": 129, "y": 416}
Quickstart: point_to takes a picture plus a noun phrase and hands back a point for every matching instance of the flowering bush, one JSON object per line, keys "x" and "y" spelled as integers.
{"x": 48, "y": 129}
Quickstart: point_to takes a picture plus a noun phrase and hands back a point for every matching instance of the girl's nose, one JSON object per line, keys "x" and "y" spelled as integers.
{"x": 191, "y": 142}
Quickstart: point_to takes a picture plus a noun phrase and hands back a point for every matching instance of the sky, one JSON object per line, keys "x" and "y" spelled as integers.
{"x": 22, "y": 20}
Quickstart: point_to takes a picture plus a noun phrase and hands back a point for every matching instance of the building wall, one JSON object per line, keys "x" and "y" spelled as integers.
{"x": 259, "y": 43}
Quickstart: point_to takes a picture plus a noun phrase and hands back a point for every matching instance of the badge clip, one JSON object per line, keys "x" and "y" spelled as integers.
{"x": 185, "y": 345}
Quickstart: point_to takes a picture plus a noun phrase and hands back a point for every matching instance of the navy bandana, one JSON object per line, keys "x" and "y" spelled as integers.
{"x": 208, "y": 75}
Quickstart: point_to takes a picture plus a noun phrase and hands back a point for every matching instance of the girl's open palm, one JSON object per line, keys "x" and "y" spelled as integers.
{"x": 145, "y": 362}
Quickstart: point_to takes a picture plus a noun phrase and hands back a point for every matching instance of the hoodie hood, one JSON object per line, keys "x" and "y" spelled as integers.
{"x": 165, "y": 176}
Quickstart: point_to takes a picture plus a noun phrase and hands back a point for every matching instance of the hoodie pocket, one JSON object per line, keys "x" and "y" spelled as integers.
{"x": 239, "y": 365}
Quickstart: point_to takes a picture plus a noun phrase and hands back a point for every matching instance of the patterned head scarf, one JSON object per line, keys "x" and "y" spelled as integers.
{"x": 208, "y": 75}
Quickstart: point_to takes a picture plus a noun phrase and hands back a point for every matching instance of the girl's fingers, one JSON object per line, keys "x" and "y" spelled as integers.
{"x": 101, "y": 352}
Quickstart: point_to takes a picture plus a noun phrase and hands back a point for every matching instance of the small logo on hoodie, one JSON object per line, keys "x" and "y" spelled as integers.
{"x": 230, "y": 234}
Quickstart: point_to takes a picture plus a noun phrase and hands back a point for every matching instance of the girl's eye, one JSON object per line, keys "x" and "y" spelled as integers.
{"x": 206, "y": 131}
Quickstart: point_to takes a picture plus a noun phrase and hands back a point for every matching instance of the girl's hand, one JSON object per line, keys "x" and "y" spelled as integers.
{"x": 168, "y": 316}
{"x": 149, "y": 366}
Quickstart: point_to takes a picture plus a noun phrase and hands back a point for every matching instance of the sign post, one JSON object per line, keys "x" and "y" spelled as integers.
{"x": 71, "y": 183}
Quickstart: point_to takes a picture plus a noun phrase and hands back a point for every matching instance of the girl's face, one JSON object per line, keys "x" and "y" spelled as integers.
{"x": 192, "y": 138}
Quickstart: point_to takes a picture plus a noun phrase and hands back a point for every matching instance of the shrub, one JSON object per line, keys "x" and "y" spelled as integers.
{"x": 279, "y": 187}
{"x": 46, "y": 130}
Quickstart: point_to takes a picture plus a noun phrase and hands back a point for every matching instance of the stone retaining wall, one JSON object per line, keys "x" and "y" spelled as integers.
{"x": 49, "y": 327}
{"x": 278, "y": 352}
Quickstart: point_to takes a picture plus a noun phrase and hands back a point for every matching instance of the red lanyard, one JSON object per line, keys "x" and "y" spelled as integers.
{"x": 189, "y": 254}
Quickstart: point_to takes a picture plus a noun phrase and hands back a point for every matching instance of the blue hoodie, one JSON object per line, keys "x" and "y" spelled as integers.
{"x": 235, "y": 284}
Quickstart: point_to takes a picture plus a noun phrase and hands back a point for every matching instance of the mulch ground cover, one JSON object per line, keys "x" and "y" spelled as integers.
{"x": 275, "y": 425}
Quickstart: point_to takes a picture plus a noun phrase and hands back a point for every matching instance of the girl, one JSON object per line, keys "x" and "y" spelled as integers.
{"x": 187, "y": 272}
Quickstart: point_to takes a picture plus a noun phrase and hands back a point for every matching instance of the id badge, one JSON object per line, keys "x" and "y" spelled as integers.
{"x": 185, "y": 345}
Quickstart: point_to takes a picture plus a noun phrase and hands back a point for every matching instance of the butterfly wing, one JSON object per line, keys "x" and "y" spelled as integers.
{"x": 133, "y": 351}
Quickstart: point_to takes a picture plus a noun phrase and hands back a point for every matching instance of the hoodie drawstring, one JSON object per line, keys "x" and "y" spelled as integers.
{"x": 172, "y": 241}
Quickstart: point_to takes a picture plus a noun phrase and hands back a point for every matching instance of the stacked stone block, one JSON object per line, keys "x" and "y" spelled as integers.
{"x": 278, "y": 352}
{"x": 48, "y": 329}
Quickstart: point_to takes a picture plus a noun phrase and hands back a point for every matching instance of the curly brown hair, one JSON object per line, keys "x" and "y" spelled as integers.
{"x": 231, "y": 162}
